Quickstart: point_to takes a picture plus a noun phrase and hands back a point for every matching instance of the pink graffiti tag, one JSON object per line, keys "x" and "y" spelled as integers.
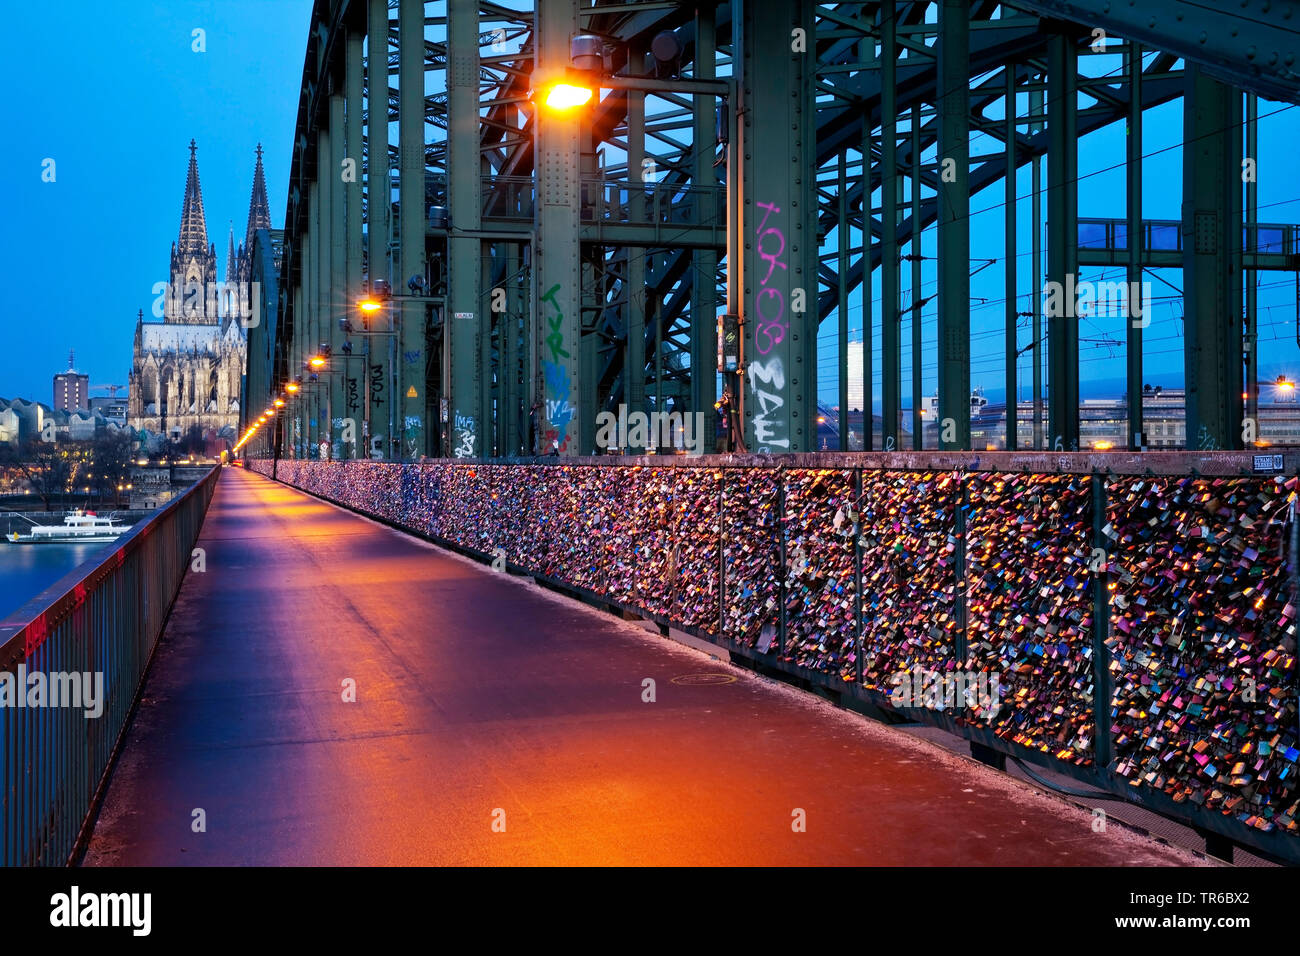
{"x": 770, "y": 325}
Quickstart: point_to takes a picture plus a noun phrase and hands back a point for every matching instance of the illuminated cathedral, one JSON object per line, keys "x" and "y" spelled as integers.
{"x": 186, "y": 370}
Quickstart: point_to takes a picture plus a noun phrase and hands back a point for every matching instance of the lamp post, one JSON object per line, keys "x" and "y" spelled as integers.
{"x": 577, "y": 86}
{"x": 372, "y": 303}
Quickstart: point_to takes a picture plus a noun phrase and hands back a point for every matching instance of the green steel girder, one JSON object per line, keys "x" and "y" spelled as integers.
{"x": 844, "y": 102}
{"x": 1252, "y": 44}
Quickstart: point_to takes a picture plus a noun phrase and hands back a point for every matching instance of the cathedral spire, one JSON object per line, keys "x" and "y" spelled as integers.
{"x": 232, "y": 263}
{"x": 259, "y": 210}
{"x": 193, "y": 239}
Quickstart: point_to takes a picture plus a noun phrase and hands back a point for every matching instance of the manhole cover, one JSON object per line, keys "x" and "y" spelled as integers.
{"x": 704, "y": 679}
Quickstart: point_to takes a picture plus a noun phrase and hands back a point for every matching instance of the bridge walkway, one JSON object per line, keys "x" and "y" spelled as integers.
{"x": 498, "y": 723}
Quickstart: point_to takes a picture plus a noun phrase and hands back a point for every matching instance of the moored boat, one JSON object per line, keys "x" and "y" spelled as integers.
{"x": 80, "y": 527}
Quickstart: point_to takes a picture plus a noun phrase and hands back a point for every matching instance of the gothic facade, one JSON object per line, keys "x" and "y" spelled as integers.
{"x": 187, "y": 370}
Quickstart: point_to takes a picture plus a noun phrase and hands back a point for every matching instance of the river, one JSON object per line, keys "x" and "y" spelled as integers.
{"x": 28, "y": 569}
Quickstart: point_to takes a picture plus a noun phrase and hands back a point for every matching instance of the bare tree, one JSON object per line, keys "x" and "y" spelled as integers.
{"x": 112, "y": 454}
{"x": 47, "y": 466}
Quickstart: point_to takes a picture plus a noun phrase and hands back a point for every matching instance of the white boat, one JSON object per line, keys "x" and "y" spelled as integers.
{"x": 81, "y": 527}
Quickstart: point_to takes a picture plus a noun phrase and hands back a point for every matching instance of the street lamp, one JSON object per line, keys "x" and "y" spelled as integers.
{"x": 566, "y": 96}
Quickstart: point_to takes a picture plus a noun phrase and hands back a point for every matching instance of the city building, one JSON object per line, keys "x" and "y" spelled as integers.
{"x": 71, "y": 389}
{"x": 187, "y": 370}
{"x": 111, "y": 409}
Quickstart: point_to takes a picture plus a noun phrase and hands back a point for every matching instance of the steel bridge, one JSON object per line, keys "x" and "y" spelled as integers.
{"x": 741, "y": 174}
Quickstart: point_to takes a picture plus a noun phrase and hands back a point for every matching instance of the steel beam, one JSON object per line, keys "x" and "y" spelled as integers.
{"x": 953, "y": 106}
{"x": 1250, "y": 279}
{"x": 1252, "y": 43}
{"x": 411, "y": 361}
{"x": 634, "y": 259}
{"x": 331, "y": 173}
{"x": 1133, "y": 231}
{"x": 379, "y": 207}
{"x": 704, "y": 262}
{"x": 1010, "y": 224}
{"x": 890, "y": 187}
{"x": 867, "y": 54}
{"x": 466, "y": 317}
{"x": 915, "y": 287}
{"x": 355, "y": 366}
{"x": 309, "y": 335}
{"x": 1063, "y": 244}
{"x": 1212, "y": 226}
{"x": 778, "y": 225}
{"x": 554, "y": 382}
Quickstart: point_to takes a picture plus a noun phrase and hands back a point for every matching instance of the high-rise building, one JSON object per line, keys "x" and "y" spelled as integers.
{"x": 71, "y": 389}
{"x": 854, "y": 369}
{"x": 187, "y": 369}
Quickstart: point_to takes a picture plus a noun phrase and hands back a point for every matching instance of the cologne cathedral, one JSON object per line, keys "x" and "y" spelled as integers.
{"x": 186, "y": 370}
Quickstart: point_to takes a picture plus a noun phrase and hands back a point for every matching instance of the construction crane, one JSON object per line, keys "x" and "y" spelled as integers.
{"x": 112, "y": 389}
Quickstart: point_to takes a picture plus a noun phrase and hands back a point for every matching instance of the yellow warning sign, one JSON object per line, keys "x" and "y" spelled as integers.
{"x": 410, "y": 392}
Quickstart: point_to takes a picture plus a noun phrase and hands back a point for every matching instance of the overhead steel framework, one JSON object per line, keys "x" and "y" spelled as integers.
{"x": 751, "y": 167}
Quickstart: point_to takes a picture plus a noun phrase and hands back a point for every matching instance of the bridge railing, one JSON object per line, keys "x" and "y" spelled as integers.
{"x": 1141, "y": 627}
{"x": 71, "y": 663}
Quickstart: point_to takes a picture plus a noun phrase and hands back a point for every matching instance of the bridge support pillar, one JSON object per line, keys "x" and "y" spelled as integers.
{"x": 554, "y": 377}
{"x": 890, "y": 191}
{"x": 379, "y": 206}
{"x": 704, "y": 262}
{"x": 334, "y": 291}
{"x": 309, "y": 336}
{"x": 411, "y": 359}
{"x": 1133, "y": 230}
{"x": 1212, "y": 239}
{"x": 777, "y": 231}
{"x": 354, "y": 365}
{"x": 954, "y": 227}
{"x": 1063, "y": 243}
{"x": 466, "y": 321}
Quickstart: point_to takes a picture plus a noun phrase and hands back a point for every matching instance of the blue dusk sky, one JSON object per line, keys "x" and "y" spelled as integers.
{"x": 113, "y": 92}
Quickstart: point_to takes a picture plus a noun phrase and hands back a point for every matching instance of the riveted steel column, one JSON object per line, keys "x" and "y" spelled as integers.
{"x": 379, "y": 208}
{"x": 954, "y": 222}
{"x": 778, "y": 227}
{"x": 1133, "y": 229}
{"x": 866, "y": 54}
{"x": 890, "y": 304}
{"x": 324, "y": 388}
{"x": 709, "y": 210}
{"x": 410, "y": 125}
{"x": 1036, "y": 263}
{"x": 467, "y": 317}
{"x": 1249, "y": 279}
{"x": 1012, "y": 442}
{"x": 554, "y": 380}
{"x": 1212, "y": 231}
{"x": 331, "y": 171}
{"x": 635, "y": 358}
{"x": 918, "y": 343}
{"x": 316, "y": 430}
{"x": 298, "y": 401}
{"x": 1063, "y": 243}
{"x": 842, "y": 288}
{"x": 355, "y": 365}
